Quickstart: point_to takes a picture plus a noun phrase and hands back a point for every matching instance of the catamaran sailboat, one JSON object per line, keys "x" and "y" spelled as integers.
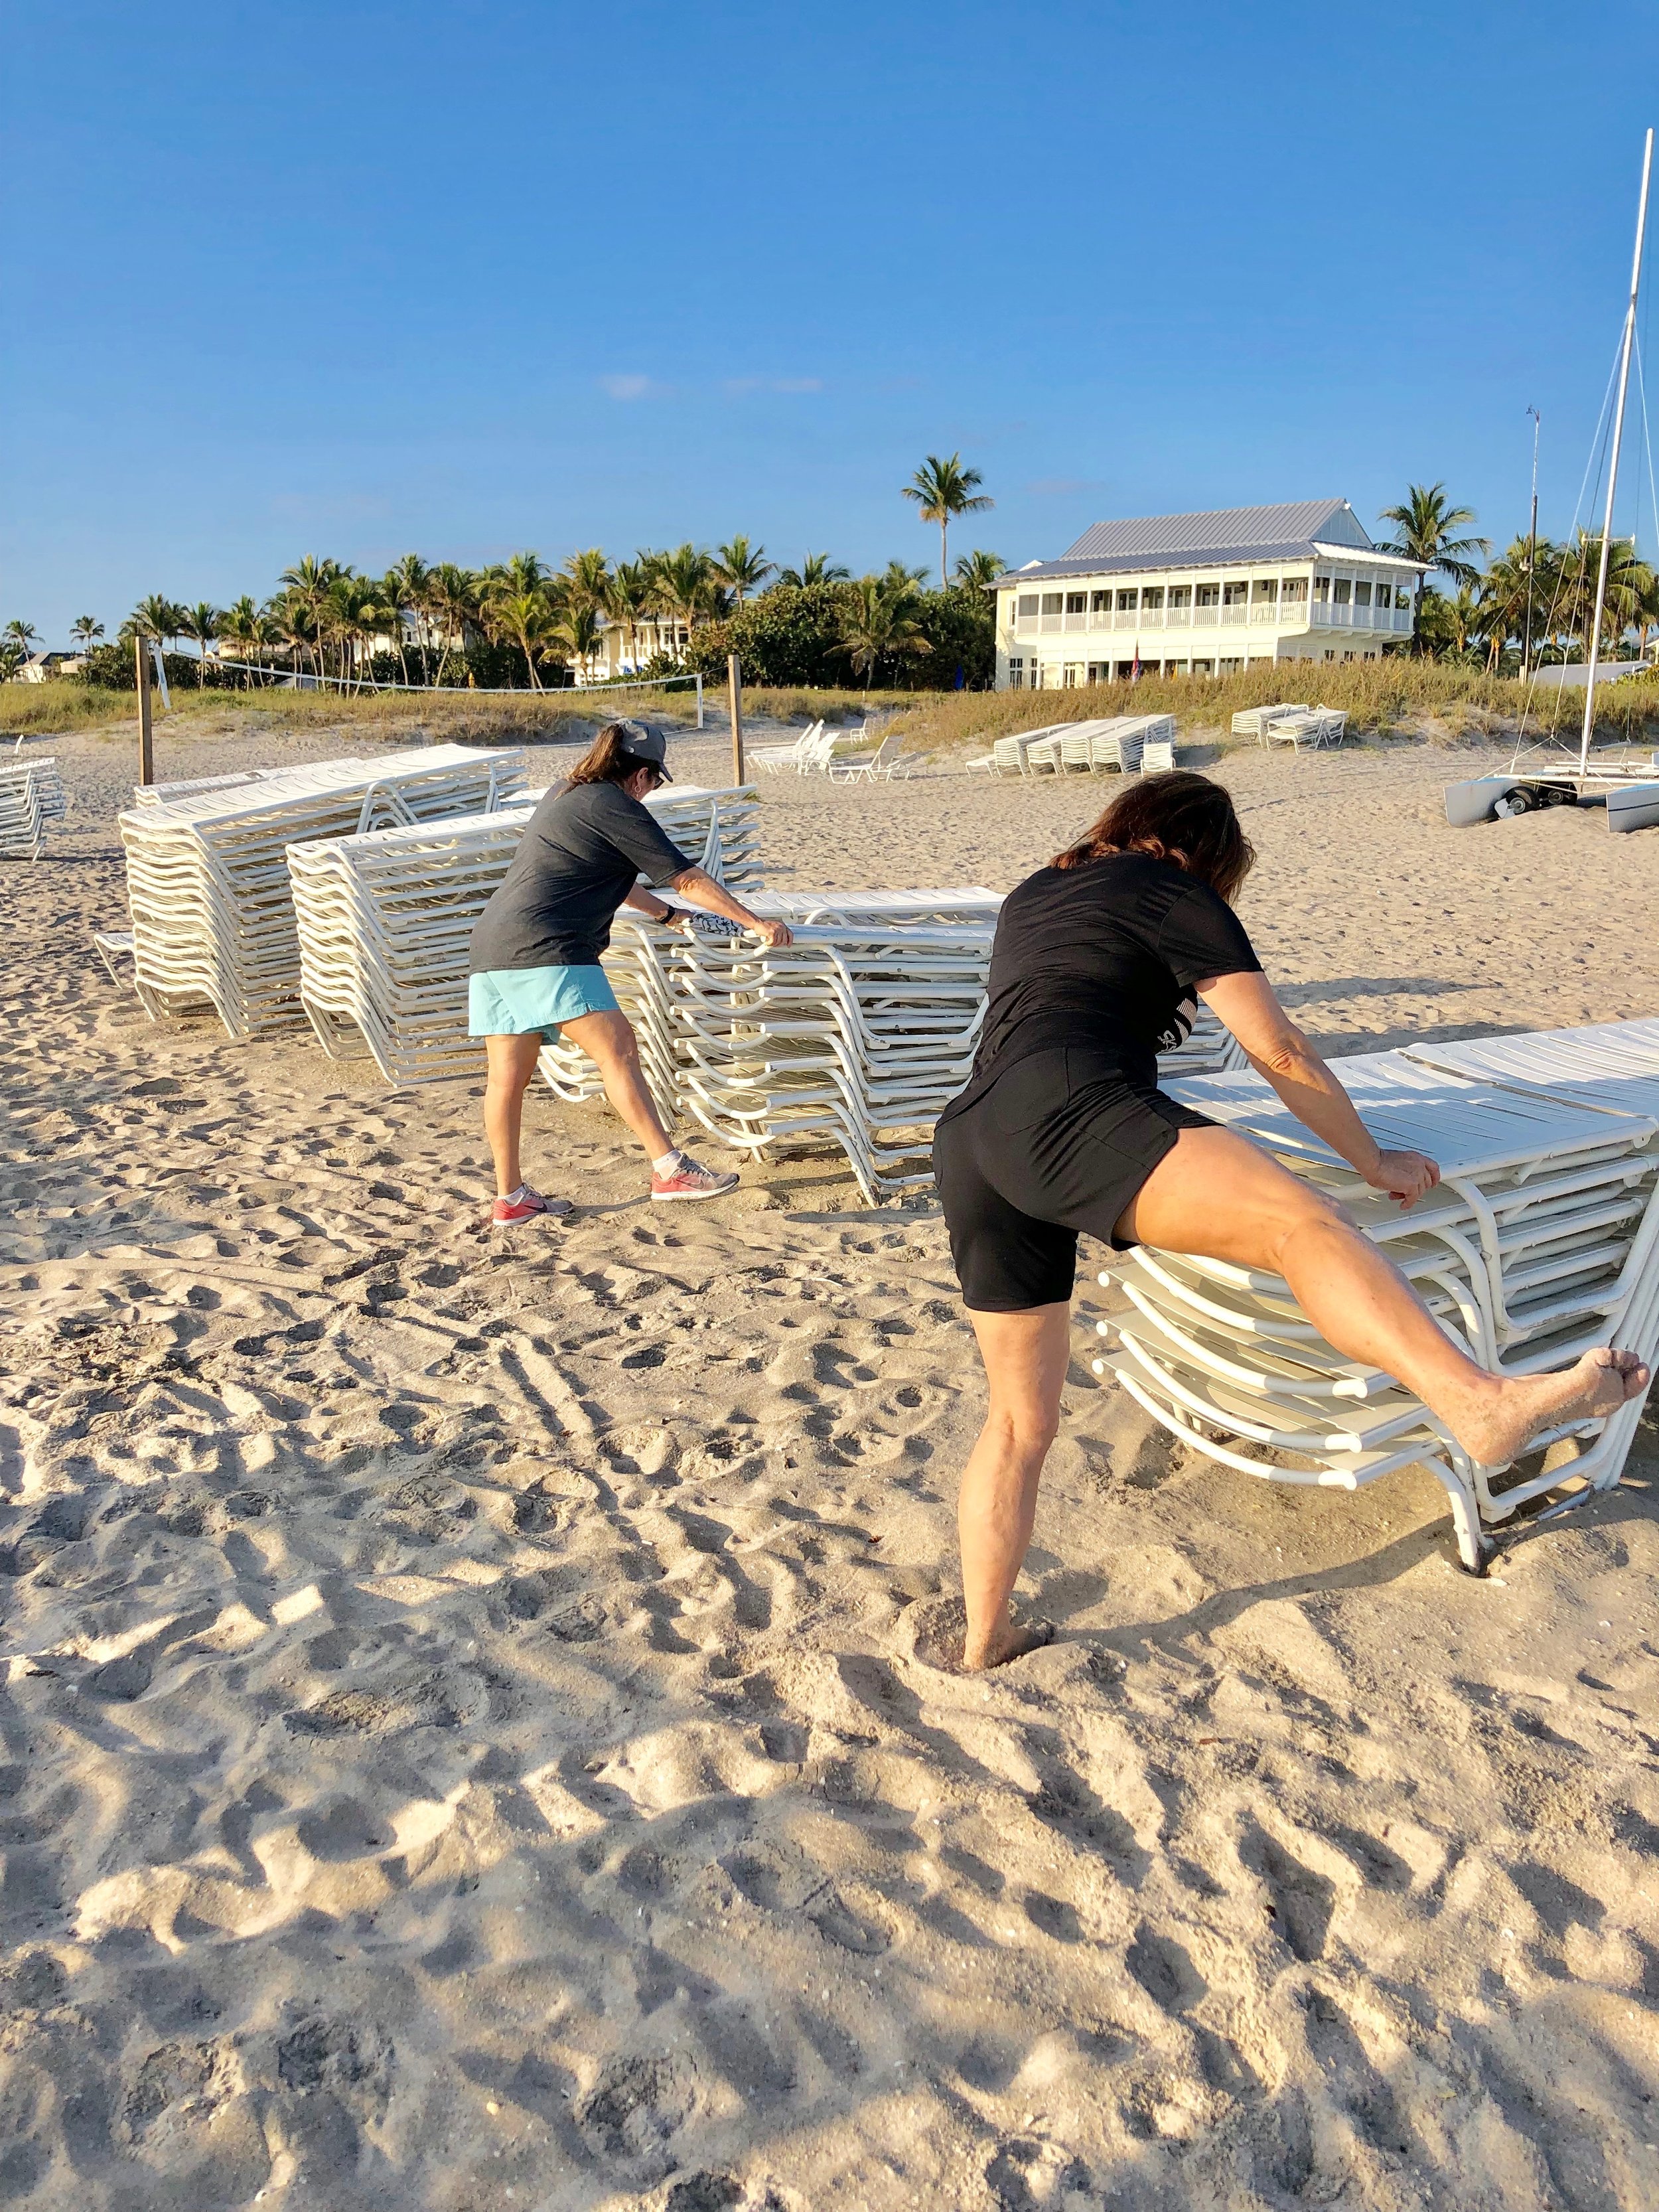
{"x": 1544, "y": 775}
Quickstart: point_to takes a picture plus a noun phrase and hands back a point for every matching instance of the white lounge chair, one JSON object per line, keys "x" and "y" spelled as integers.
{"x": 1312, "y": 727}
{"x": 889, "y": 760}
{"x": 1252, "y": 721}
{"x": 775, "y": 760}
{"x": 1541, "y": 1243}
{"x": 1007, "y": 756}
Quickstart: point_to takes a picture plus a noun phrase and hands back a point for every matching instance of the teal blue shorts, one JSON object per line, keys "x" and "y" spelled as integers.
{"x": 517, "y": 1001}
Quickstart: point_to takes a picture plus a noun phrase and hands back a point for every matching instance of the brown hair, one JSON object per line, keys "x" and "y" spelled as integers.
{"x": 608, "y": 760}
{"x": 1176, "y": 816}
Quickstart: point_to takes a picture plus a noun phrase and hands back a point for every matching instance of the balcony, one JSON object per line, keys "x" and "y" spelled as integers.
{"x": 1389, "y": 622}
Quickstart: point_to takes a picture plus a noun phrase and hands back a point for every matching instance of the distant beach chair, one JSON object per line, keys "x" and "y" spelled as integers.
{"x": 1252, "y": 721}
{"x": 1310, "y": 726}
{"x": 889, "y": 760}
{"x": 1007, "y": 756}
{"x": 774, "y": 760}
{"x": 111, "y": 945}
{"x": 1157, "y": 753}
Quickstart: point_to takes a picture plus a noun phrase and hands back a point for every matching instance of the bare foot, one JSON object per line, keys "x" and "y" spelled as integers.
{"x": 1011, "y": 1640}
{"x": 1498, "y": 1427}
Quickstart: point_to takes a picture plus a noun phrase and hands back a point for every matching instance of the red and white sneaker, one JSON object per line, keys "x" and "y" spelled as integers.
{"x": 525, "y": 1205}
{"x": 689, "y": 1179}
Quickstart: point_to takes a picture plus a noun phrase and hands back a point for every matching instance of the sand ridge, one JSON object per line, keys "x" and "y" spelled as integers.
{"x": 464, "y": 1739}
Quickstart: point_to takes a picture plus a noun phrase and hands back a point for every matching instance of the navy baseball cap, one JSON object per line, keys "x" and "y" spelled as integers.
{"x": 645, "y": 744}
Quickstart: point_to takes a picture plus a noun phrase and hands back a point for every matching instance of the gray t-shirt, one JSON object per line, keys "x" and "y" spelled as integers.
{"x": 583, "y": 850}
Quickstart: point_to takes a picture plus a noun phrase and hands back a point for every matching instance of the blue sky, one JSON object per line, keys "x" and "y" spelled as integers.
{"x": 460, "y": 277}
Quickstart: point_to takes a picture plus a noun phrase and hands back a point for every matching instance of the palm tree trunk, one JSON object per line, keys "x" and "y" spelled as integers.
{"x": 944, "y": 554}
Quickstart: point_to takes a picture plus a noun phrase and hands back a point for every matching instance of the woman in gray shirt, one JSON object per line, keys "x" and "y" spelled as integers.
{"x": 535, "y": 956}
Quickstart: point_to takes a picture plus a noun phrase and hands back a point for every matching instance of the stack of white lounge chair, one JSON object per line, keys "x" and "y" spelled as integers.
{"x": 31, "y": 800}
{"x": 207, "y": 881}
{"x": 383, "y": 921}
{"x": 1116, "y": 741}
{"x": 1312, "y": 727}
{"x": 853, "y": 1036}
{"x": 1539, "y": 1244}
{"x": 1252, "y": 721}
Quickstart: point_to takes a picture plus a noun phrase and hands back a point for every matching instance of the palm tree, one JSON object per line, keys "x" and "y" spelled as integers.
{"x": 86, "y": 630}
{"x": 406, "y": 586}
{"x": 942, "y": 490}
{"x": 525, "y": 618}
{"x": 741, "y": 568}
{"x": 1428, "y": 526}
{"x": 201, "y": 622}
{"x": 452, "y": 596}
{"x": 23, "y": 634}
{"x": 897, "y": 578}
{"x": 978, "y": 571}
{"x": 816, "y": 568}
{"x": 576, "y": 635}
{"x": 685, "y": 584}
{"x": 587, "y": 579}
{"x": 878, "y": 623}
{"x": 1629, "y": 581}
{"x": 240, "y": 626}
{"x": 157, "y": 616}
{"x": 307, "y": 584}
{"x": 627, "y": 600}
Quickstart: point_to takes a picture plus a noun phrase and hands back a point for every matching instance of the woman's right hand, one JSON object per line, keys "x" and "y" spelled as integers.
{"x": 771, "y": 934}
{"x": 1407, "y": 1177}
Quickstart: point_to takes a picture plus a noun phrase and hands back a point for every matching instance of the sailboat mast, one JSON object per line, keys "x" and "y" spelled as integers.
{"x": 1613, "y": 463}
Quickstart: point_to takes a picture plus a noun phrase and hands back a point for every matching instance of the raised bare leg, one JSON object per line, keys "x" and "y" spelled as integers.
{"x": 510, "y": 1062}
{"x": 608, "y": 1040}
{"x": 1215, "y": 1194}
{"x": 1025, "y": 1357}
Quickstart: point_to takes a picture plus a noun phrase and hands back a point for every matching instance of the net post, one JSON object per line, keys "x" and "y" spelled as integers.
{"x": 146, "y": 733}
{"x": 734, "y": 709}
{"x": 700, "y": 701}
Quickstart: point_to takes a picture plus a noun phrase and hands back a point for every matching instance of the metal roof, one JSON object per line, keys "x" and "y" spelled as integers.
{"x": 1226, "y": 556}
{"x": 1237, "y": 529}
{"x": 1230, "y": 537}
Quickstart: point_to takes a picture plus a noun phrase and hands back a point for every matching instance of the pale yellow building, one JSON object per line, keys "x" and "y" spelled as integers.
{"x": 1203, "y": 595}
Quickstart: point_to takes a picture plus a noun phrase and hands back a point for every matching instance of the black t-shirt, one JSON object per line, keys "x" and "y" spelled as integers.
{"x": 1106, "y": 955}
{"x": 583, "y": 850}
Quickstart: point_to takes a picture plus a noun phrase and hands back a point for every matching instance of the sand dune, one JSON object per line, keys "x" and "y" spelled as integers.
{"x": 465, "y": 1739}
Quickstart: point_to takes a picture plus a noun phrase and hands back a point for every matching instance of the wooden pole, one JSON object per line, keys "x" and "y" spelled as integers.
{"x": 146, "y": 736}
{"x": 734, "y": 707}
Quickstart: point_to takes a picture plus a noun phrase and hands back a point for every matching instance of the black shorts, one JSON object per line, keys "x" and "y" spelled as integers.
{"x": 1060, "y": 1142}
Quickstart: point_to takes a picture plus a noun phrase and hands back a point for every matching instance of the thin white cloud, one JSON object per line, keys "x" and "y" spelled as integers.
{"x": 628, "y": 387}
{"x": 737, "y": 387}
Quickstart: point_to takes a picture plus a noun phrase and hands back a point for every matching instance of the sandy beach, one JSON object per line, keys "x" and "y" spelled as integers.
{"x": 465, "y": 1744}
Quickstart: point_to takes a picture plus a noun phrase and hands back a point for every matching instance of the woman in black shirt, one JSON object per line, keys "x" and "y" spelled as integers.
{"x": 1098, "y": 963}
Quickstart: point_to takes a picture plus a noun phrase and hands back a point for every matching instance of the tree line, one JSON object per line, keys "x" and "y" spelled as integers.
{"x": 524, "y": 624}
{"x": 1545, "y": 593}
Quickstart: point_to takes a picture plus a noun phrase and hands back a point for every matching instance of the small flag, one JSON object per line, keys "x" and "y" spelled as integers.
{"x": 1134, "y": 673}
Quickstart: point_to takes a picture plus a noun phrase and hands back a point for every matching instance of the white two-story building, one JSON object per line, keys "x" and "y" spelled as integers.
{"x": 1203, "y": 595}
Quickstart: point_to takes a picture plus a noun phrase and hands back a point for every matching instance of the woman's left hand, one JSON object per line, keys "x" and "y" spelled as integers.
{"x": 1405, "y": 1176}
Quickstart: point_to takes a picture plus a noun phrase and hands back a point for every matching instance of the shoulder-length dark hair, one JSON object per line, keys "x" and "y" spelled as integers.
{"x": 1176, "y": 816}
{"x": 608, "y": 760}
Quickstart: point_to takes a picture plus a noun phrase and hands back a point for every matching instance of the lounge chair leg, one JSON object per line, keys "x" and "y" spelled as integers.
{"x": 1475, "y": 1549}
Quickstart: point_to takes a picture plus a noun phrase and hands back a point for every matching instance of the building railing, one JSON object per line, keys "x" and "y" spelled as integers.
{"x": 1282, "y": 614}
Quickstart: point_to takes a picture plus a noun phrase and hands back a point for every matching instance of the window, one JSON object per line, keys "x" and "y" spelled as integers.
{"x": 1294, "y": 590}
{"x": 1362, "y": 594}
{"x": 1204, "y": 668}
{"x": 1209, "y": 595}
{"x": 1321, "y": 591}
{"x": 1266, "y": 589}
{"x": 1077, "y": 603}
{"x": 1127, "y": 602}
{"x": 1126, "y": 669}
{"x": 1071, "y": 675}
{"x": 1152, "y": 599}
{"x": 1027, "y": 606}
{"x": 1234, "y": 595}
{"x": 1016, "y": 675}
{"x": 1340, "y": 591}
{"x": 1228, "y": 667}
{"x": 1178, "y": 668}
{"x": 1181, "y": 595}
{"x": 1100, "y": 603}
{"x": 1100, "y": 671}
{"x": 1051, "y": 602}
